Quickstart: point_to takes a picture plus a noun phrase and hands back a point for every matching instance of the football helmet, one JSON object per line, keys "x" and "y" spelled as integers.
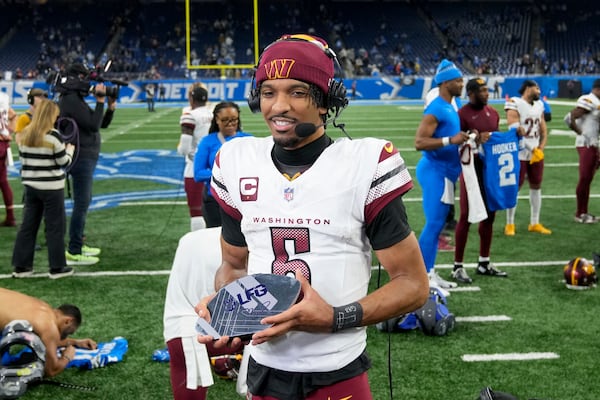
{"x": 22, "y": 359}
{"x": 580, "y": 274}
{"x": 433, "y": 318}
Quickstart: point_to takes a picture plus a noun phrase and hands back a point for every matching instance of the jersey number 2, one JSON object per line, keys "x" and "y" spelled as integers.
{"x": 506, "y": 170}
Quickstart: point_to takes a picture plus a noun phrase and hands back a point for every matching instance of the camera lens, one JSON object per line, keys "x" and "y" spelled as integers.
{"x": 112, "y": 91}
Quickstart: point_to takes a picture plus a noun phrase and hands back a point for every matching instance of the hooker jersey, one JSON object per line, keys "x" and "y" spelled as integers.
{"x": 199, "y": 120}
{"x": 315, "y": 224}
{"x": 530, "y": 117}
{"x": 501, "y": 166}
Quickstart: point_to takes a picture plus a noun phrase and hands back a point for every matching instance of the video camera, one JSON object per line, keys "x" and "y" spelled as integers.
{"x": 78, "y": 78}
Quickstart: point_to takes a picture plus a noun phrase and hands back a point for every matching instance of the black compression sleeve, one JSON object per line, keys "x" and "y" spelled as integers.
{"x": 390, "y": 226}
{"x": 231, "y": 230}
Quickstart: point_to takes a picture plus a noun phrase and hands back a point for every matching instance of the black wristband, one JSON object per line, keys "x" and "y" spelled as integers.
{"x": 348, "y": 316}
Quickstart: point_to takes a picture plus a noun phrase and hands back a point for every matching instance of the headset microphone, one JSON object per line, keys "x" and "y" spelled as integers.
{"x": 306, "y": 129}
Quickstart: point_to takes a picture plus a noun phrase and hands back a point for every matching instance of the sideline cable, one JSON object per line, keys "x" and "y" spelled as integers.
{"x": 65, "y": 385}
{"x": 389, "y": 360}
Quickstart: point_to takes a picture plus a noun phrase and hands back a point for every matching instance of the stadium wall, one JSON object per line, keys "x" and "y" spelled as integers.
{"x": 372, "y": 88}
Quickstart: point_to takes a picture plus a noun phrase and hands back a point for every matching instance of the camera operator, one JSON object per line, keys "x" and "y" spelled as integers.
{"x": 73, "y": 89}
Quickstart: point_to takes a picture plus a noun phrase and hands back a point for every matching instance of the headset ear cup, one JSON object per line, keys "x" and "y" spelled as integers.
{"x": 337, "y": 95}
{"x": 30, "y": 98}
{"x": 254, "y": 100}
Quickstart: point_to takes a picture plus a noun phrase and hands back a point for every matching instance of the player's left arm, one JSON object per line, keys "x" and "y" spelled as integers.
{"x": 406, "y": 291}
{"x": 543, "y": 134}
{"x": 408, "y": 285}
{"x": 89, "y": 344}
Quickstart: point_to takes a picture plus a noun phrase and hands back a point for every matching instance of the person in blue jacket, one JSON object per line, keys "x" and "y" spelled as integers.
{"x": 226, "y": 125}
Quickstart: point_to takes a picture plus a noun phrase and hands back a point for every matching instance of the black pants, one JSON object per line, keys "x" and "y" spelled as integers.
{"x": 211, "y": 211}
{"x": 49, "y": 204}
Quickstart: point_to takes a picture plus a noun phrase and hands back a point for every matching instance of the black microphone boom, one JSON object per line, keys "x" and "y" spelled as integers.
{"x": 306, "y": 129}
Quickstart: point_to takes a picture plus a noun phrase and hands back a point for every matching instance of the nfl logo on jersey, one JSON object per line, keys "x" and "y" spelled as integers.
{"x": 288, "y": 194}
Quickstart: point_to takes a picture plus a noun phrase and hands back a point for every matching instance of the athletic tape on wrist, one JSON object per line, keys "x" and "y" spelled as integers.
{"x": 348, "y": 316}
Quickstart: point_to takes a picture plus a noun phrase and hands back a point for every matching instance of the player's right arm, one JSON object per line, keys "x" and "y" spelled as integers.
{"x": 577, "y": 113}
{"x": 233, "y": 266}
{"x": 51, "y": 338}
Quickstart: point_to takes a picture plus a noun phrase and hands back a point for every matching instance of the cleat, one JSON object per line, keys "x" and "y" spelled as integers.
{"x": 539, "y": 228}
{"x": 490, "y": 270}
{"x": 80, "y": 259}
{"x": 509, "y": 230}
{"x": 90, "y": 251}
{"x": 460, "y": 275}
{"x": 60, "y": 273}
{"x": 443, "y": 245}
{"x": 586, "y": 218}
{"x": 23, "y": 273}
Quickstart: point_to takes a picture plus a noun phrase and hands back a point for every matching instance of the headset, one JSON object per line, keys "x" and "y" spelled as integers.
{"x": 31, "y": 95}
{"x": 336, "y": 96}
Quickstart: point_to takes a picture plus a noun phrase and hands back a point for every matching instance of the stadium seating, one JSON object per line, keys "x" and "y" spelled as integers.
{"x": 147, "y": 40}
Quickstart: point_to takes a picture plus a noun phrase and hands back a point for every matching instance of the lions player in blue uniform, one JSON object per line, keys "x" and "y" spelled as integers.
{"x": 438, "y": 137}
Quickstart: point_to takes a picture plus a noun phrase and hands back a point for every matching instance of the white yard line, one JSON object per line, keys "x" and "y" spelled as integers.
{"x": 509, "y": 357}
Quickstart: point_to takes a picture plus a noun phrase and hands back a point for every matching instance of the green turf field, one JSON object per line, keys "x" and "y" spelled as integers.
{"x": 530, "y": 312}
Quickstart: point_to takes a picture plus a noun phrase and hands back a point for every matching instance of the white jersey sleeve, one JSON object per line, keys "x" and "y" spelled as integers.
{"x": 315, "y": 224}
{"x": 4, "y": 108}
{"x": 197, "y": 119}
{"x": 530, "y": 117}
{"x": 589, "y": 123}
{"x": 192, "y": 277}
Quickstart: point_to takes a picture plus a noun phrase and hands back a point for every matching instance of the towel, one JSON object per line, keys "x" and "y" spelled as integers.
{"x": 197, "y": 363}
{"x": 448, "y": 195}
{"x": 477, "y": 212}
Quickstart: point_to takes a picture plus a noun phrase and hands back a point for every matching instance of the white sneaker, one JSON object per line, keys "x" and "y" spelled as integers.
{"x": 444, "y": 284}
{"x": 436, "y": 281}
{"x": 434, "y": 285}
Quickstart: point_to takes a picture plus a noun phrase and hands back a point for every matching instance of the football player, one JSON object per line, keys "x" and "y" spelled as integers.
{"x": 438, "y": 137}
{"x": 52, "y": 325}
{"x": 7, "y": 127}
{"x": 476, "y": 115}
{"x": 584, "y": 120}
{"x": 528, "y": 111}
{"x": 195, "y": 123}
{"x": 300, "y": 203}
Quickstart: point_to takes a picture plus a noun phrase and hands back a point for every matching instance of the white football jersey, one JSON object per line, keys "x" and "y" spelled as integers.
{"x": 4, "y": 107}
{"x": 200, "y": 118}
{"x": 315, "y": 224}
{"x": 530, "y": 117}
{"x": 589, "y": 123}
{"x": 192, "y": 277}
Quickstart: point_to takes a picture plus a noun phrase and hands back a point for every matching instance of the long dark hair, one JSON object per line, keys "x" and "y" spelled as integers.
{"x": 224, "y": 104}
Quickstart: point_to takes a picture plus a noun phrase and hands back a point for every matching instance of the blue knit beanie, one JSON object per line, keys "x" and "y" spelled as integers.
{"x": 446, "y": 71}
